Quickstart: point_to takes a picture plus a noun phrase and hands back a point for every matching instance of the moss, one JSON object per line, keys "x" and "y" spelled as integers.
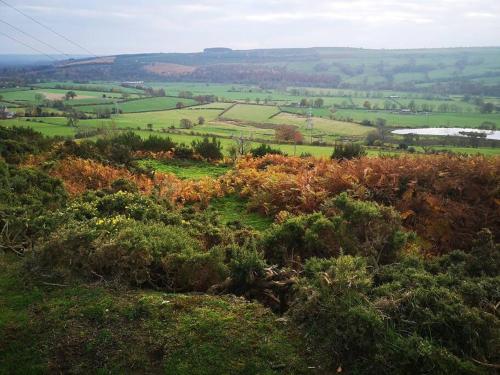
{"x": 85, "y": 329}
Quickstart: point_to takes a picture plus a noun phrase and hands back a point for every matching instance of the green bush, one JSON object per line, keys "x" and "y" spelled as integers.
{"x": 17, "y": 142}
{"x": 348, "y": 151}
{"x": 403, "y": 321}
{"x": 211, "y": 150}
{"x": 346, "y": 225}
{"x": 247, "y": 264}
{"x": 134, "y": 252}
{"x": 264, "y": 149}
{"x": 25, "y": 195}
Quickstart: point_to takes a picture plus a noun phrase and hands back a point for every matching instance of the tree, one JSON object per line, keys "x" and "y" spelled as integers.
{"x": 372, "y": 137}
{"x": 179, "y": 105}
{"x": 186, "y": 123}
{"x": 70, "y": 95}
{"x": 73, "y": 118}
{"x": 304, "y": 102}
{"x": 487, "y": 108}
{"x": 150, "y": 127}
{"x": 287, "y": 133}
{"x": 201, "y": 120}
{"x": 367, "y": 104}
{"x": 318, "y": 103}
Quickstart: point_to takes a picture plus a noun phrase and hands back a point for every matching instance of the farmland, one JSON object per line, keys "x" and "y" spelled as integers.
{"x": 250, "y": 112}
{"x": 218, "y": 228}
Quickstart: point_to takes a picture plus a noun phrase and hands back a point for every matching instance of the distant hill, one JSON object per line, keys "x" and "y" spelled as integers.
{"x": 469, "y": 70}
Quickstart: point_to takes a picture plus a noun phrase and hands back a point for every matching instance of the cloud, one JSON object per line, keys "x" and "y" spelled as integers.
{"x": 190, "y": 25}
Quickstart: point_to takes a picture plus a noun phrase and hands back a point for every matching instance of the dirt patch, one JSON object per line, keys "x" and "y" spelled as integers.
{"x": 167, "y": 69}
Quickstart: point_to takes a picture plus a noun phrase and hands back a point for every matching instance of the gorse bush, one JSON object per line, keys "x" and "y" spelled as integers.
{"x": 264, "y": 149}
{"x": 138, "y": 253}
{"x": 347, "y": 226}
{"x": 18, "y": 142}
{"x": 348, "y": 151}
{"x": 117, "y": 149}
{"x": 402, "y": 319}
{"x": 25, "y": 194}
{"x": 210, "y": 150}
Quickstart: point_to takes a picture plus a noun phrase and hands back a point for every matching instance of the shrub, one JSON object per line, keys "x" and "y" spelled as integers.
{"x": 158, "y": 144}
{"x": 16, "y": 143}
{"x": 404, "y": 321}
{"x": 183, "y": 152}
{"x": 135, "y": 252}
{"x": 211, "y": 150}
{"x": 348, "y": 225}
{"x": 264, "y": 149}
{"x": 247, "y": 264}
{"x": 348, "y": 151}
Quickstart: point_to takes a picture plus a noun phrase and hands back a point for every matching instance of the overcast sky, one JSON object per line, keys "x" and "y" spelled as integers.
{"x": 130, "y": 26}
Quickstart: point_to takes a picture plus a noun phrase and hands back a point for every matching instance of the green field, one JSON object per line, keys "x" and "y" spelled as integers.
{"x": 186, "y": 169}
{"x": 29, "y": 96}
{"x": 142, "y": 105}
{"x": 235, "y": 118}
{"x": 465, "y": 120}
{"x": 248, "y": 112}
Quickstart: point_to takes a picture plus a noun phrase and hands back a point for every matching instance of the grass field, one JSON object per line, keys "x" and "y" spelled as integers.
{"x": 465, "y": 120}
{"x": 256, "y": 122}
{"x": 143, "y": 105}
{"x": 249, "y": 112}
{"x": 186, "y": 169}
{"x": 165, "y": 119}
{"x": 57, "y": 127}
{"x": 28, "y": 96}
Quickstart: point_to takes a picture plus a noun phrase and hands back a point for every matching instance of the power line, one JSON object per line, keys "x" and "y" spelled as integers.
{"x": 35, "y": 38}
{"x": 48, "y": 28}
{"x": 27, "y": 45}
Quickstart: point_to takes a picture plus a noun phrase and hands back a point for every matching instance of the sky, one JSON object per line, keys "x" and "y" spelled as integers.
{"x": 132, "y": 26}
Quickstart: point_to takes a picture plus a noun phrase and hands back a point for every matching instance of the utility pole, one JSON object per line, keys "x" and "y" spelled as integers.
{"x": 309, "y": 122}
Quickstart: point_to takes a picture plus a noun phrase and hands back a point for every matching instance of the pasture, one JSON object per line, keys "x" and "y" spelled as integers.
{"x": 448, "y": 120}
{"x": 142, "y": 105}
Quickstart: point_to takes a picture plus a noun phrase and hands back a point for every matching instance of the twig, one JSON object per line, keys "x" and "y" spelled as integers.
{"x": 491, "y": 365}
{"x": 54, "y": 284}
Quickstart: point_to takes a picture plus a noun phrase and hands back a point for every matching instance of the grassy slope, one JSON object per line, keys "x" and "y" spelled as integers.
{"x": 84, "y": 329}
{"x": 186, "y": 169}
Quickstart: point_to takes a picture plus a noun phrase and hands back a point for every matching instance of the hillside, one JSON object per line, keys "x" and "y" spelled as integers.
{"x": 453, "y": 70}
